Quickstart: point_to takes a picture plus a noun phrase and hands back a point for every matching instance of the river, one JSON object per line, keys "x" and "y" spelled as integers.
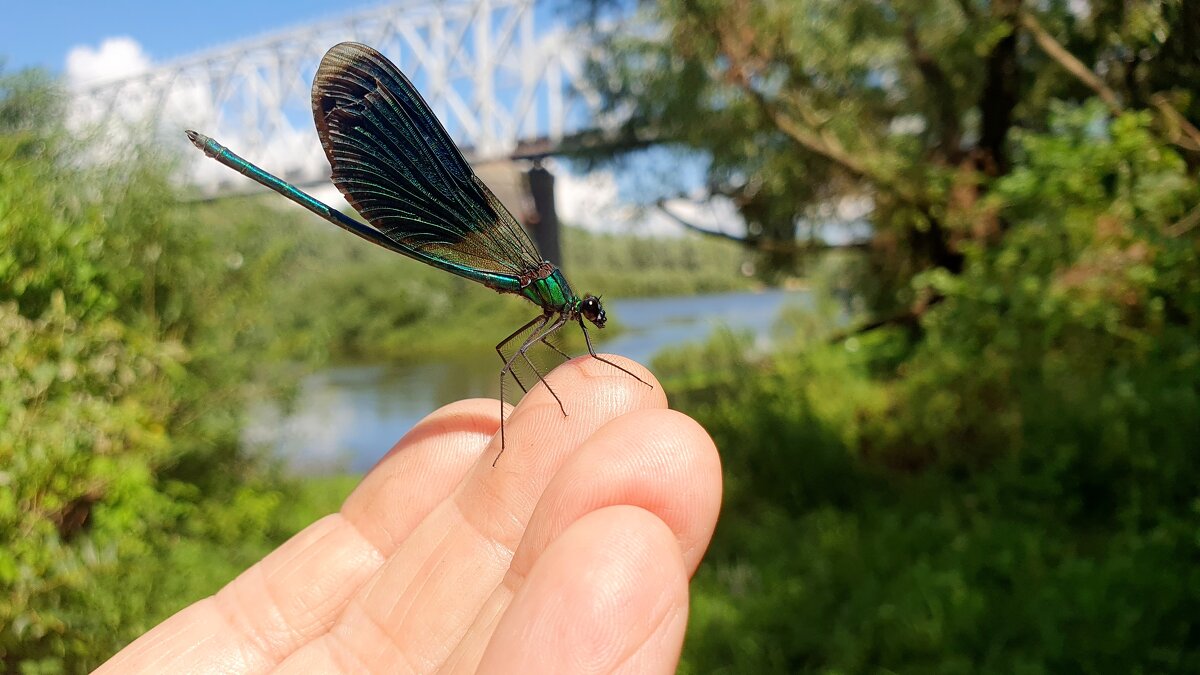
{"x": 346, "y": 417}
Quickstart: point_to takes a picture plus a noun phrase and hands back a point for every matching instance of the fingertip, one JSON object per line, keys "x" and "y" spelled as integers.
{"x": 614, "y": 365}
{"x": 590, "y": 392}
{"x": 610, "y": 592}
{"x": 480, "y": 415}
{"x": 664, "y": 432}
{"x": 606, "y": 382}
{"x": 657, "y": 459}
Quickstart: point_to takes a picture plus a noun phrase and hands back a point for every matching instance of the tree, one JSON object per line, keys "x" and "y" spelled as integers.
{"x": 998, "y": 476}
{"x": 907, "y": 106}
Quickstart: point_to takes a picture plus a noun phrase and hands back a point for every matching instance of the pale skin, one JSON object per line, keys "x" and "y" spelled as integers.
{"x": 572, "y": 555}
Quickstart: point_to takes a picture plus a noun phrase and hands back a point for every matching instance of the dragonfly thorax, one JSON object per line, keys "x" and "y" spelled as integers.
{"x": 548, "y": 289}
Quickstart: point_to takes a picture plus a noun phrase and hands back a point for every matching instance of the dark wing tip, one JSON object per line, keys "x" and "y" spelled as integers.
{"x": 336, "y": 69}
{"x": 349, "y": 47}
{"x": 342, "y": 81}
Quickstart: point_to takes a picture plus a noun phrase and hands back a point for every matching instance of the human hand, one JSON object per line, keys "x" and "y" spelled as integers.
{"x": 571, "y": 555}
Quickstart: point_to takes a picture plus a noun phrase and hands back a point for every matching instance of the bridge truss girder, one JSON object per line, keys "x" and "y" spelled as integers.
{"x": 496, "y": 73}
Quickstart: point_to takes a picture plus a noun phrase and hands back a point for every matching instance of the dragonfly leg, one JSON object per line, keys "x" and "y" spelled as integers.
{"x": 549, "y": 344}
{"x": 535, "y": 372}
{"x": 523, "y": 352}
{"x": 508, "y": 369}
{"x": 533, "y": 339}
{"x": 587, "y": 338}
{"x": 545, "y": 318}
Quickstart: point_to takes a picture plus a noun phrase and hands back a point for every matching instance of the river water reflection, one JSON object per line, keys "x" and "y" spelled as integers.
{"x": 345, "y": 418}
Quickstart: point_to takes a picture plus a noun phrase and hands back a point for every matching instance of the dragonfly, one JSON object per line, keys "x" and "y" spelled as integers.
{"x": 396, "y": 165}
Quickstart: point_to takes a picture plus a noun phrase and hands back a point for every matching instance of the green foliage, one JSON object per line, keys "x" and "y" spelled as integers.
{"x": 999, "y": 476}
{"x": 627, "y": 265}
{"x": 133, "y": 330}
{"x": 805, "y": 112}
{"x": 338, "y": 298}
{"x": 316, "y": 497}
{"x": 1002, "y": 482}
{"x": 1012, "y": 489}
{"x": 122, "y": 384}
{"x": 1089, "y": 294}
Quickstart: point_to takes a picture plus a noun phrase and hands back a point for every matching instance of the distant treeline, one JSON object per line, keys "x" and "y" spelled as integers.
{"x": 337, "y": 297}
{"x": 630, "y": 265}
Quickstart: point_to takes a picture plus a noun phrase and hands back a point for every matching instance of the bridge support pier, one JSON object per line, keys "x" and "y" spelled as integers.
{"x": 543, "y": 221}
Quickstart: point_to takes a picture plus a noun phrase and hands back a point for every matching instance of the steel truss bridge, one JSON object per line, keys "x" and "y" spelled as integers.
{"x": 500, "y": 74}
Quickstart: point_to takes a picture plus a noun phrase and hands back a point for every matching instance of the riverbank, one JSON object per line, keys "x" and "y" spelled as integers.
{"x": 344, "y": 417}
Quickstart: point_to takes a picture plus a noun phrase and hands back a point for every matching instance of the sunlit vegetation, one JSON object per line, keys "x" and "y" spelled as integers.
{"x": 336, "y": 298}
{"x": 1014, "y": 490}
{"x": 124, "y": 490}
{"x": 990, "y": 465}
{"x": 993, "y": 467}
{"x": 135, "y": 324}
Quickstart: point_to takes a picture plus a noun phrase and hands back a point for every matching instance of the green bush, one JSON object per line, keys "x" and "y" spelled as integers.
{"x": 1012, "y": 489}
{"x": 126, "y": 493}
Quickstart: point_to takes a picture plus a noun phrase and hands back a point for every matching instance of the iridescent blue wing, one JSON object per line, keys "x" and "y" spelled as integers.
{"x": 397, "y": 166}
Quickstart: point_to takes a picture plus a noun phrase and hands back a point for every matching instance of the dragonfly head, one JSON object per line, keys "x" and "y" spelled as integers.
{"x": 591, "y": 309}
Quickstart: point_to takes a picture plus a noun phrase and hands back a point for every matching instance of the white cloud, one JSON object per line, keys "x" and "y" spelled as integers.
{"x": 121, "y": 97}
{"x": 587, "y": 200}
{"x": 592, "y": 201}
{"x": 116, "y": 58}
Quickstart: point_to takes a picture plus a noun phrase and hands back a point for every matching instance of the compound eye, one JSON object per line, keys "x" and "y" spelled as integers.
{"x": 591, "y": 310}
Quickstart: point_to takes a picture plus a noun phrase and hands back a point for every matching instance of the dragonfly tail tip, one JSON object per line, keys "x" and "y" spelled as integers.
{"x": 196, "y": 139}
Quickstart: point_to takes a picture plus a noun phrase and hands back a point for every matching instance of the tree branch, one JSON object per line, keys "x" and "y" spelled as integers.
{"x": 1067, "y": 60}
{"x": 909, "y": 318}
{"x": 740, "y": 74}
{"x": 661, "y": 205}
{"x": 939, "y": 88}
{"x": 1185, "y": 224}
{"x": 1000, "y": 94}
{"x": 791, "y": 247}
{"x": 737, "y": 45}
{"x": 1180, "y": 131}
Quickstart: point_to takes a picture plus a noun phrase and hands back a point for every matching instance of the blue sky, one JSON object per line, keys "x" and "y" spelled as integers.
{"x": 41, "y": 32}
